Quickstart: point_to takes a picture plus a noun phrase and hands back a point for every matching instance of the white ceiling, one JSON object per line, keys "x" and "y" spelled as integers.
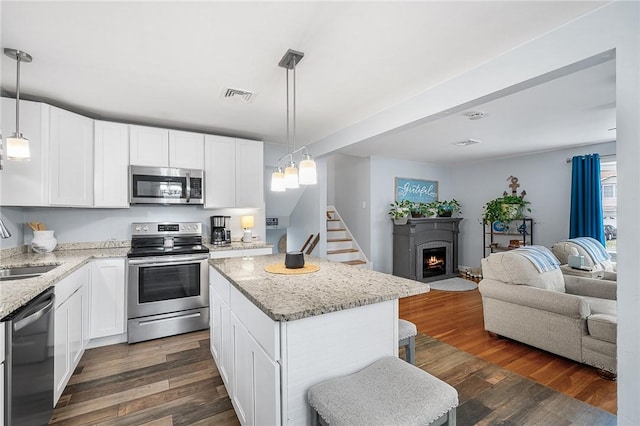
{"x": 165, "y": 63}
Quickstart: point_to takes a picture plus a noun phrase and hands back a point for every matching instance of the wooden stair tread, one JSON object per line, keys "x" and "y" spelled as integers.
{"x": 336, "y": 229}
{"x": 351, "y": 250}
{"x": 337, "y": 240}
{"x": 354, "y": 262}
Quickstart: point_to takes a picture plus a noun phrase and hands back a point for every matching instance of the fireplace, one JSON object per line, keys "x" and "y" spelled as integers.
{"x": 434, "y": 262}
{"x": 426, "y": 249}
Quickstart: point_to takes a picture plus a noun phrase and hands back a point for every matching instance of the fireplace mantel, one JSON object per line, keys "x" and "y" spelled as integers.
{"x": 421, "y": 232}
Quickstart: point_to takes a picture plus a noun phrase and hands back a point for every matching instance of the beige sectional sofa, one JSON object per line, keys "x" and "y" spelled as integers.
{"x": 570, "y": 316}
{"x": 605, "y": 269}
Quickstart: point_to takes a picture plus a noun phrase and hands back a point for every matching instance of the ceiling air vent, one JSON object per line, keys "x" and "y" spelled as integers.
{"x": 243, "y": 95}
{"x": 467, "y": 142}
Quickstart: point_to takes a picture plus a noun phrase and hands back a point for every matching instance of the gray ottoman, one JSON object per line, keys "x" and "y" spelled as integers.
{"x": 387, "y": 392}
{"x": 407, "y": 337}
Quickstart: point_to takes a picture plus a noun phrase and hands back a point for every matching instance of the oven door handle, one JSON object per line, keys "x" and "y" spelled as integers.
{"x": 188, "y": 187}
{"x": 167, "y": 262}
{"x": 179, "y": 317}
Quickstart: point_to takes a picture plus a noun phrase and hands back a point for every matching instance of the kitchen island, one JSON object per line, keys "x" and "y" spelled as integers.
{"x": 275, "y": 335}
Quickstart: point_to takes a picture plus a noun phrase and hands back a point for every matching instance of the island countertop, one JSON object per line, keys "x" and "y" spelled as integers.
{"x": 334, "y": 287}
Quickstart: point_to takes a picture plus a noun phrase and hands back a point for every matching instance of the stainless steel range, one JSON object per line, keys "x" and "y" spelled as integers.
{"x": 167, "y": 280}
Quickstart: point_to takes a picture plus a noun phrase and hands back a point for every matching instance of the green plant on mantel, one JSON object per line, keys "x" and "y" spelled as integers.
{"x": 447, "y": 208}
{"x": 400, "y": 209}
{"x": 505, "y": 208}
{"x": 419, "y": 209}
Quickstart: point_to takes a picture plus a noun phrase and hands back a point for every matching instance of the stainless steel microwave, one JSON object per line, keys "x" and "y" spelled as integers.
{"x": 165, "y": 185}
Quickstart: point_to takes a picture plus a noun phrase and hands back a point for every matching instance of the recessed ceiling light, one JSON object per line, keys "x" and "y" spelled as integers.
{"x": 231, "y": 93}
{"x": 467, "y": 142}
{"x": 475, "y": 115}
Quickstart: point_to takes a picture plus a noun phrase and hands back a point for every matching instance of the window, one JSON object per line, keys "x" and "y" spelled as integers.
{"x": 609, "y": 181}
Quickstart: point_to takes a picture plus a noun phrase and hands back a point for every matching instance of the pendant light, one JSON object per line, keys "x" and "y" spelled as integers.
{"x": 292, "y": 176}
{"x": 18, "y": 145}
{"x": 277, "y": 180}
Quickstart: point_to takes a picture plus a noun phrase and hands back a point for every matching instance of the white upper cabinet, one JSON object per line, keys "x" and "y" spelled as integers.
{"x": 148, "y": 146}
{"x": 219, "y": 171}
{"x": 249, "y": 174}
{"x": 233, "y": 172}
{"x": 186, "y": 150}
{"x": 26, "y": 183}
{"x": 70, "y": 158}
{"x": 151, "y": 146}
{"x": 111, "y": 161}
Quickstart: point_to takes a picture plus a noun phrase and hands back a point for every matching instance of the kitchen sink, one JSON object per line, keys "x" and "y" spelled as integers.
{"x": 22, "y": 272}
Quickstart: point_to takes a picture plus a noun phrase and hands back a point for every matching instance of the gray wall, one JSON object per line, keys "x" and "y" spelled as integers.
{"x": 383, "y": 173}
{"x": 351, "y": 196}
{"x": 547, "y": 179}
{"x": 89, "y": 225}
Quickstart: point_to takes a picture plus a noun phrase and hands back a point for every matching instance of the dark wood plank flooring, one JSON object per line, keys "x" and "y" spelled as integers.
{"x": 170, "y": 381}
{"x": 174, "y": 381}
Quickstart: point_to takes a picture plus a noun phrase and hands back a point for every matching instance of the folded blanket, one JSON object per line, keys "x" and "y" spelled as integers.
{"x": 593, "y": 247}
{"x": 540, "y": 256}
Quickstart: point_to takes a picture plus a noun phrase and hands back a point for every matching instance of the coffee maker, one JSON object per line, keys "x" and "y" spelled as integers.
{"x": 220, "y": 235}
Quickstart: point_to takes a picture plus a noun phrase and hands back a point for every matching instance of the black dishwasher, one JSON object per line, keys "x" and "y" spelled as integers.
{"x": 28, "y": 384}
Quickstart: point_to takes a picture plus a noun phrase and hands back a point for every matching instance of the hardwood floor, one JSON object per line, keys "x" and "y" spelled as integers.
{"x": 491, "y": 395}
{"x": 456, "y": 318}
{"x": 170, "y": 381}
{"x": 174, "y": 381}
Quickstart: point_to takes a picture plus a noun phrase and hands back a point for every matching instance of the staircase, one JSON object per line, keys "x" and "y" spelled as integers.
{"x": 341, "y": 247}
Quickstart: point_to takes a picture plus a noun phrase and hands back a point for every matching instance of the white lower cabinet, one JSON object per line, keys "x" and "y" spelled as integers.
{"x": 250, "y": 373}
{"x": 2, "y": 374}
{"x": 71, "y": 326}
{"x": 107, "y": 298}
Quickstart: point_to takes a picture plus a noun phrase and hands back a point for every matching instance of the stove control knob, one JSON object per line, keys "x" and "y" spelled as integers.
{"x": 137, "y": 229}
{"x": 145, "y": 228}
{"x": 182, "y": 228}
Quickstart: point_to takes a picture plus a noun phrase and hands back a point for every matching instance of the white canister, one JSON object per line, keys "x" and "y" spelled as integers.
{"x": 43, "y": 241}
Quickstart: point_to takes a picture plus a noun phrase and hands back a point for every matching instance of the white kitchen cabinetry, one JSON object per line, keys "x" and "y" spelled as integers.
{"x": 111, "y": 162}
{"x": 26, "y": 183}
{"x": 276, "y": 362}
{"x": 219, "y": 254}
{"x": 107, "y": 298}
{"x": 71, "y": 159}
{"x": 249, "y": 174}
{"x": 71, "y": 326}
{"x": 234, "y": 172}
{"x": 2, "y": 393}
{"x": 155, "y": 147}
{"x": 148, "y": 146}
{"x": 186, "y": 150}
{"x": 246, "y": 350}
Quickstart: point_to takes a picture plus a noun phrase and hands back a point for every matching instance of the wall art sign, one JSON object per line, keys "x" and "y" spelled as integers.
{"x": 416, "y": 190}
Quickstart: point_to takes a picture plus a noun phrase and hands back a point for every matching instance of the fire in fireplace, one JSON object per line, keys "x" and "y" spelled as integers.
{"x": 434, "y": 261}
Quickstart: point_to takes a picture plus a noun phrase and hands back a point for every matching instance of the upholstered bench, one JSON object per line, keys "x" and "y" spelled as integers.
{"x": 387, "y": 392}
{"x": 407, "y": 332}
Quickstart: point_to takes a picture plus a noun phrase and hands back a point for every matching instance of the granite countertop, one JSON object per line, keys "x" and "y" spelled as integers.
{"x": 239, "y": 245}
{"x": 17, "y": 293}
{"x": 334, "y": 287}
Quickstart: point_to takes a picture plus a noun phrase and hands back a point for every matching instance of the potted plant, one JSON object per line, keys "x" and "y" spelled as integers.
{"x": 399, "y": 211}
{"x": 418, "y": 209}
{"x": 448, "y": 208}
{"x": 432, "y": 209}
{"x": 504, "y": 209}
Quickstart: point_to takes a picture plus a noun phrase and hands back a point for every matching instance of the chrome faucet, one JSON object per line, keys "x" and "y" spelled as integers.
{"x": 4, "y": 232}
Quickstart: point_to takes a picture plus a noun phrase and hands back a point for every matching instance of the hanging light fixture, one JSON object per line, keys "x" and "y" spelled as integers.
{"x": 18, "y": 145}
{"x": 292, "y": 176}
{"x": 277, "y": 180}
